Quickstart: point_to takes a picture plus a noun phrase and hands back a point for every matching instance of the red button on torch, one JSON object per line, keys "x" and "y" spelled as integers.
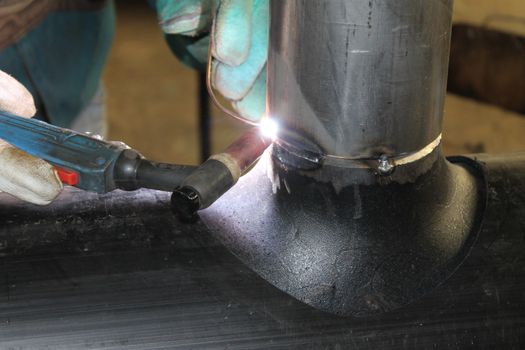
{"x": 67, "y": 176}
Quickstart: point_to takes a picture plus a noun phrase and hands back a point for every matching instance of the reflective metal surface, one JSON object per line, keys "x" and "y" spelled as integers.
{"x": 359, "y": 78}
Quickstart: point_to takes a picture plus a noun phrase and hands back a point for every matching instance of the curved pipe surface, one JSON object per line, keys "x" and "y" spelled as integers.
{"x": 360, "y": 78}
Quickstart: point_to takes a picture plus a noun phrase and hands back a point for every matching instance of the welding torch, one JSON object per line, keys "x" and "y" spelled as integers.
{"x": 95, "y": 165}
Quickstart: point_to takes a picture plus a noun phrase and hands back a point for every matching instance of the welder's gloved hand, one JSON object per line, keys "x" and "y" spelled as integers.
{"x": 21, "y": 175}
{"x": 239, "y": 32}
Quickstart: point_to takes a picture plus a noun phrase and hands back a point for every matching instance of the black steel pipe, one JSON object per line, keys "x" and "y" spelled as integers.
{"x": 119, "y": 270}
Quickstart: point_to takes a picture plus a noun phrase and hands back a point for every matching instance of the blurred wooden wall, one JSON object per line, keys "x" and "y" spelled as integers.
{"x": 506, "y": 15}
{"x": 488, "y": 52}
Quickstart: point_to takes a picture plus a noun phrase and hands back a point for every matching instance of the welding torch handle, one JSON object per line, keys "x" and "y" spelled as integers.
{"x": 87, "y": 162}
{"x": 96, "y": 165}
{"x": 132, "y": 171}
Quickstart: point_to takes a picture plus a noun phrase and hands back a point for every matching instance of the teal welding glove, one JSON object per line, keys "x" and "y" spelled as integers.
{"x": 239, "y": 31}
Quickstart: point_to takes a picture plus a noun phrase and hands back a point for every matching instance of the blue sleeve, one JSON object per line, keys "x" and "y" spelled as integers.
{"x": 61, "y": 61}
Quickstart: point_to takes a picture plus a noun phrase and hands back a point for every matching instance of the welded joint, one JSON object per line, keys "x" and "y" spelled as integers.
{"x": 387, "y": 165}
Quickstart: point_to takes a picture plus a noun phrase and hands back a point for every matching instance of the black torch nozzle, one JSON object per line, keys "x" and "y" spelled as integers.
{"x": 217, "y": 175}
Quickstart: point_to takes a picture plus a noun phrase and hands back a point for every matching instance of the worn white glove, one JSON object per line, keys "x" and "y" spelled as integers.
{"x": 21, "y": 175}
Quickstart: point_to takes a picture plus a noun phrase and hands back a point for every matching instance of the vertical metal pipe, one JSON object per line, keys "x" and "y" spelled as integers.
{"x": 356, "y": 176}
{"x": 360, "y": 78}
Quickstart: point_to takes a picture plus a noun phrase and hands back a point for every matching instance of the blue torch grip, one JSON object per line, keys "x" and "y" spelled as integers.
{"x": 93, "y": 160}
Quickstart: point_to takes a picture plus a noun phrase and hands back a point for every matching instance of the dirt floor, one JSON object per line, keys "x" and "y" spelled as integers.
{"x": 152, "y": 101}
